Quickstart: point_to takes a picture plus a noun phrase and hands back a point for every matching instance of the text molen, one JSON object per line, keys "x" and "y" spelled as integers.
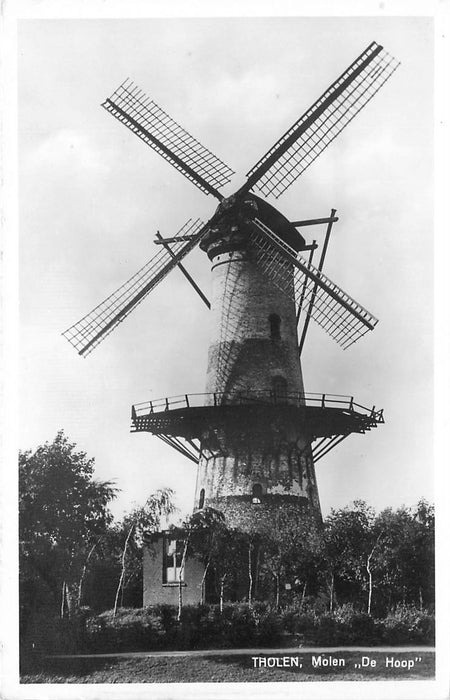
{"x": 327, "y": 661}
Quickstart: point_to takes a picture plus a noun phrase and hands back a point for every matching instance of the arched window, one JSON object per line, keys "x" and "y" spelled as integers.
{"x": 275, "y": 323}
{"x": 201, "y": 500}
{"x": 279, "y": 385}
{"x": 257, "y": 493}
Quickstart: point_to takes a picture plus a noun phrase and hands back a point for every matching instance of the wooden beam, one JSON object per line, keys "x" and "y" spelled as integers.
{"x": 311, "y": 246}
{"x": 300, "y": 303}
{"x": 331, "y": 219}
{"x": 313, "y": 222}
{"x": 162, "y": 241}
{"x": 183, "y": 270}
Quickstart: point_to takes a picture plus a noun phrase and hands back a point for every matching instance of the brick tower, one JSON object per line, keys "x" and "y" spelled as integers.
{"x": 263, "y": 455}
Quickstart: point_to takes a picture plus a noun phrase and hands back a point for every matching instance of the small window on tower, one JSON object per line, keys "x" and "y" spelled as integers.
{"x": 279, "y": 388}
{"x": 275, "y": 323}
{"x": 201, "y": 500}
{"x": 257, "y": 493}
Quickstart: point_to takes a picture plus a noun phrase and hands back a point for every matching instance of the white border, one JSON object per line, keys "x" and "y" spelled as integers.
{"x": 11, "y": 13}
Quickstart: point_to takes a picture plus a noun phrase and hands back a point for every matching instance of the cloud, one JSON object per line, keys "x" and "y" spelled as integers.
{"x": 71, "y": 149}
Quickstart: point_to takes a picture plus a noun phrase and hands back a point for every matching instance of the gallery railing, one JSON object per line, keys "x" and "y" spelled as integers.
{"x": 184, "y": 401}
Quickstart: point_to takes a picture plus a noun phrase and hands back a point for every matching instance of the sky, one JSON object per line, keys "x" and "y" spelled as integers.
{"x": 92, "y": 196}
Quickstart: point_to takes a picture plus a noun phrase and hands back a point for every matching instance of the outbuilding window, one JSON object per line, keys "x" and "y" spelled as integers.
{"x": 172, "y": 557}
{"x": 201, "y": 500}
{"x": 279, "y": 386}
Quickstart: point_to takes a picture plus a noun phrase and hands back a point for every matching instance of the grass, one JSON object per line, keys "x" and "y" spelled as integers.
{"x": 223, "y": 669}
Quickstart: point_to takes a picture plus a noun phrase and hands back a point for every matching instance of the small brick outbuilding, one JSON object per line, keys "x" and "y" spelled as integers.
{"x": 162, "y": 557}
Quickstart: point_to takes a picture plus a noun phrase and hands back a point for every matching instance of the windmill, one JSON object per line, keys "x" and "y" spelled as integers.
{"x": 254, "y": 433}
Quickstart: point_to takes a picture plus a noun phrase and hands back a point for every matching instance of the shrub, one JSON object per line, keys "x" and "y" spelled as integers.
{"x": 355, "y": 627}
{"x": 48, "y": 634}
{"x": 242, "y": 628}
{"x": 269, "y": 628}
{"x": 131, "y": 630}
{"x": 424, "y": 629}
{"x": 407, "y": 625}
{"x": 167, "y": 614}
{"x": 342, "y": 626}
{"x": 200, "y": 626}
{"x": 327, "y": 631}
{"x": 297, "y": 622}
{"x": 194, "y": 627}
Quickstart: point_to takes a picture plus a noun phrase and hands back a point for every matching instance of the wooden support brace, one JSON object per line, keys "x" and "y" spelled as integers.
{"x": 175, "y": 239}
{"x": 314, "y": 222}
{"x": 330, "y": 220}
{"x": 183, "y": 270}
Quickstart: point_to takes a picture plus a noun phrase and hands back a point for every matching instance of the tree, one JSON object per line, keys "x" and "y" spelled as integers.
{"x": 290, "y": 545}
{"x": 103, "y": 572}
{"x": 229, "y": 560}
{"x": 265, "y": 545}
{"x": 423, "y": 552}
{"x": 348, "y": 549}
{"x": 223, "y": 550}
{"x": 404, "y": 559}
{"x": 200, "y": 531}
{"x": 136, "y": 524}
{"x": 390, "y": 555}
{"x": 205, "y": 528}
{"x": 63, "y": 512}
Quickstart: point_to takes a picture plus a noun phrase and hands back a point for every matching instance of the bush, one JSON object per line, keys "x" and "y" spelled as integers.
{"x": 167, "y": 617}
{"x": 327, "y": 631}
{"x": 48, "y": 633}
{"x": 131, "y": 630}
{"x": 241, "y": 628}
{"x": 203, "y": 626}
{"x": 269, "y": 628}
{"x": 297, "y": 622}
{"x": 157, "y": 627}
{"x": 195, "y": 626}
{"x": 348, "y": 626}
{"x": 406, "y": 625}
{"x": 355, "y": 627}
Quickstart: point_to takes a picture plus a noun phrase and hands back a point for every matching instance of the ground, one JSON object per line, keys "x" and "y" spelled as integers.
{"x": 230, "y": 667}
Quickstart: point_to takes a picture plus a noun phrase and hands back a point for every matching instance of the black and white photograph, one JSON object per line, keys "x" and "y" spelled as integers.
{"x": 222, "y": 365}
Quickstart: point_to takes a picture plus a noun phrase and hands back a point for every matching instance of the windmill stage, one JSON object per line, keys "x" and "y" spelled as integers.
{"x": 252, "y": 430}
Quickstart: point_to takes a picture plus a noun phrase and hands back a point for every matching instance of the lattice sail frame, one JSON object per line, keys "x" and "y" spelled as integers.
{"x": 322, "y": 122}
{"x": 87, "y": 333}
{"x": 343, "y": 318}
{"x": 158, "y": 130}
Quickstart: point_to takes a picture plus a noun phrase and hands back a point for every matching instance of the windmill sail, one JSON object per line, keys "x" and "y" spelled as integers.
{"x": 343, "y": 318}
{"x": 322, "y": 122}
{"x": 87, "y": 333}
{"x": 144, "y": 118}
